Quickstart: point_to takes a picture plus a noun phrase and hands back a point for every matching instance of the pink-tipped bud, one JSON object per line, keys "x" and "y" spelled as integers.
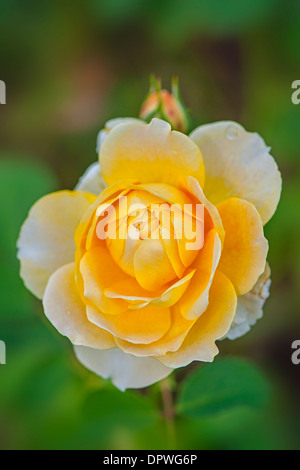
{"x": 164, "y": 105}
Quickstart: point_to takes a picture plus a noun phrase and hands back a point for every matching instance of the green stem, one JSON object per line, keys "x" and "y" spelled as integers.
{"x": 168, "y": 410}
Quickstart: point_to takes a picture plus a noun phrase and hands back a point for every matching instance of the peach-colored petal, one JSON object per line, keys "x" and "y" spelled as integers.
{"x": 82, "y": 233}
{"x": 129, "y": 213}
{"x": 150, "y": 153}
{"x": 66, "y": 311}
{"x": 199, "y": 344}
{"x": 166, "y": 192}
{"x": 195, "y": 300}
{"x": 109, "y": 125}
{"x": 172, "y": 251}
{"x": 171, "y": 341}
{"x": 175, "y": 292}
{"x": 245, "y": 248}
{"x": 143, "y": 325}
{"x": 140, "y": 298}
{"x": 123, "y": 250}
{"x": 98, "y": 272}
{"x": 212, "y": 218}
{"x": 152, "y": 266}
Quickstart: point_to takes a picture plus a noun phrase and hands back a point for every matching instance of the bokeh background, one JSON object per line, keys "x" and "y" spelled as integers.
{"x": 69, "y": 67}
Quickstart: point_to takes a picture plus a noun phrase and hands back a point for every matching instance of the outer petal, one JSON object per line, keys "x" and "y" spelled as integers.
{"x": 125, "y": 370}
{"x": 110, "y": 125}
{"x": 66, "y": 311}
{"x": 245, "y": 248}
{"x": 151, "y": 153}
{"x": 195, "y": 300}
{"x": 238, "y": 164}
{"x": 250, "y": 306}
{"x": 91, "y": 181}
{"x": 46, "y": 240}
{"x": 199, "y": 344}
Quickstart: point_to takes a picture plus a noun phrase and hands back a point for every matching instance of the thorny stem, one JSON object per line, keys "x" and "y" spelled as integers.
{"x": 168, "y": 410}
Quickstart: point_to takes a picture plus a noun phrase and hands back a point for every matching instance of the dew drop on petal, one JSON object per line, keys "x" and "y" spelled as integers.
{"x": 231, "y": 132}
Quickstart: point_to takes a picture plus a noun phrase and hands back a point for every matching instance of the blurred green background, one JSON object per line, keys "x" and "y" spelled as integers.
{"x": 69, "y": 67}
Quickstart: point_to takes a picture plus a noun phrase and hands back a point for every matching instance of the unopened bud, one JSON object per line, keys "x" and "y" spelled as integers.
{"x": 164, "y": 105}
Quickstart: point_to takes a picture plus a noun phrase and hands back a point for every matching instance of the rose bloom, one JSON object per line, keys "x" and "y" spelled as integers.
{"x": 136, "y": 308}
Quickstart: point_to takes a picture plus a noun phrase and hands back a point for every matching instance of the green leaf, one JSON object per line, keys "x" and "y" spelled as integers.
{"x": 223, "y": 385}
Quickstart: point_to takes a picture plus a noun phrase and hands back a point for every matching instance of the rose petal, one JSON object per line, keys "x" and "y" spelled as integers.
{"x": 199, "y": 344}
{"x": 142, "y": 325}
{"x": 110, "y": 125}
{"x": 212, "y": 218}
{"x": 125, "y": 370}
{"x": 150, "y": 153}
{"x": 245, "y": 248}
{"x": 111, "y": 193}
{"x": 46, "y": 239}
{"x": 152, "y": 266}
{"x": 66, "y": 311}
{"x": 171, "y": 341}
{"x": 127, "y": 290}
{"x": 91, "y": 180}
{"x": 250, "y": 306}
{"x": 99, "y": 272}
{"x": 195, "y": 300}
{"x": 238, "y": 164}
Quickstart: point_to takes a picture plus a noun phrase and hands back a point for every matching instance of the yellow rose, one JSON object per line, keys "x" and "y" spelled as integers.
{"x": 137, "y": 307}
